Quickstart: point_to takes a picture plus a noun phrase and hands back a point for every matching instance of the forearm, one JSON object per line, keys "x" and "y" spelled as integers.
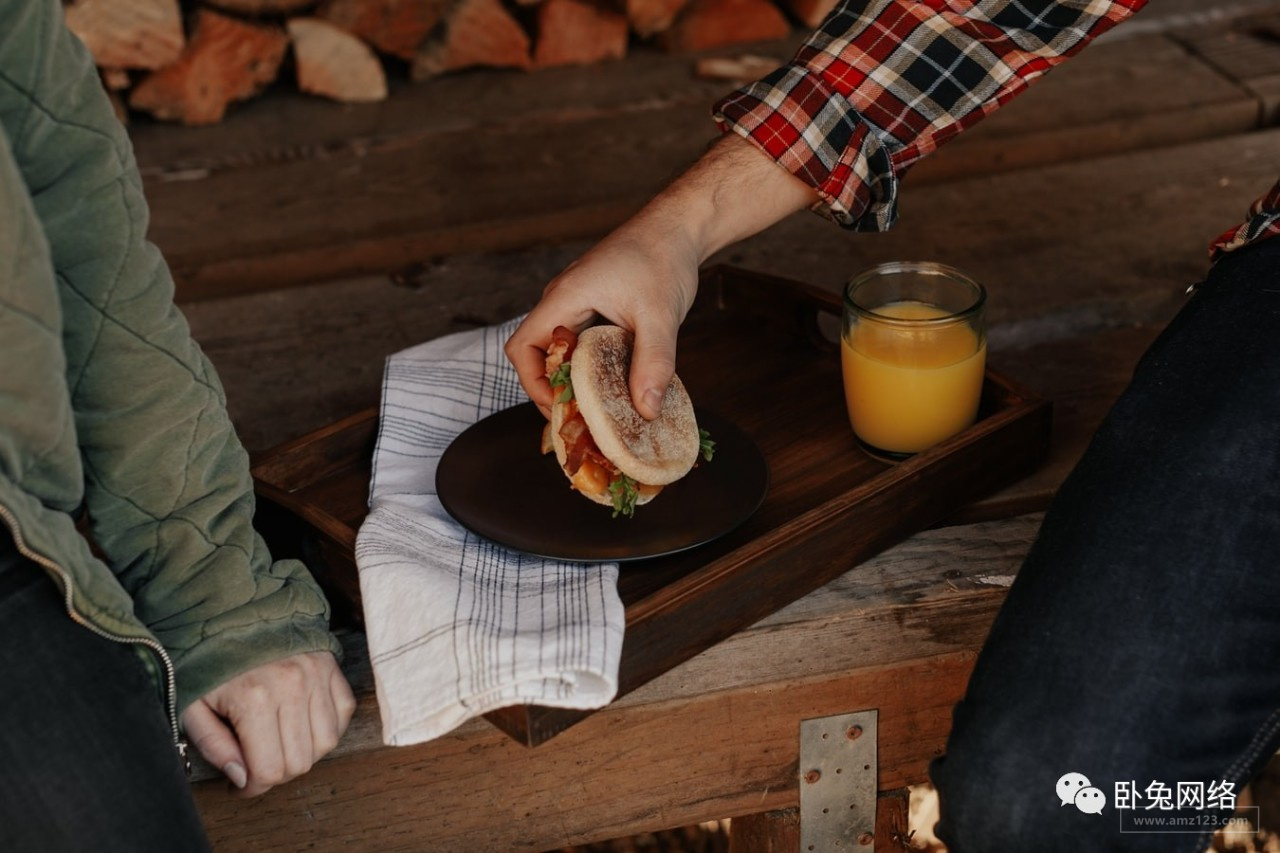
{"x": 731, "y": 193}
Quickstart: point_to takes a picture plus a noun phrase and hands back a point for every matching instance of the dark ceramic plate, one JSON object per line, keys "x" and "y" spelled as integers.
{"x": 494, "y": 482}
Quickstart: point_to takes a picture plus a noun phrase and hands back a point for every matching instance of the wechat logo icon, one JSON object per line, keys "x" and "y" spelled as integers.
{"x": 1076, "y": 789}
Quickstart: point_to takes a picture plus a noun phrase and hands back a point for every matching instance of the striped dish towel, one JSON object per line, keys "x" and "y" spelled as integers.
{"x": 458, "y": 626}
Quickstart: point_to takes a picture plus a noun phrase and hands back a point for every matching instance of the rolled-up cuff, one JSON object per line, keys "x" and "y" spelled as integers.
{"x": 814, "y": 133}
{"x": 1263, "y": 222}
{"x": 292, "y": 620}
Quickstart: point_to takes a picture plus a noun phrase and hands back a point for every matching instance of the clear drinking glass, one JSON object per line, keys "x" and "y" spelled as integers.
{"x": 913, "y": 346}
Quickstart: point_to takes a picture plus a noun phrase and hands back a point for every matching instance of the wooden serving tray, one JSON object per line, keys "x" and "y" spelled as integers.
{"x": 762, "y": 351}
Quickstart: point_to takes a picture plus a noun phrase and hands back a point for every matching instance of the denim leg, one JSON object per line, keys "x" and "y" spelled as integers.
{"x": 87, "y": 761}
{"x": 1139, "y": 641}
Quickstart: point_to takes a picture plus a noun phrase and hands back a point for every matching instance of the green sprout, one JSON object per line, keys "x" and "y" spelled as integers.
{"x": 560, "y": 379}
{"x": 706, "y": 446}
{"x": 623, "y": 490}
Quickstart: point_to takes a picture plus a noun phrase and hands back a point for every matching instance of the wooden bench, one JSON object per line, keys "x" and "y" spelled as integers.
{"x": 1086, "y": 248}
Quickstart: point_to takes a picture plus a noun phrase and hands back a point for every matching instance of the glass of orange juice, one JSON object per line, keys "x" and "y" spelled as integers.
{"x": 913, "y": 347}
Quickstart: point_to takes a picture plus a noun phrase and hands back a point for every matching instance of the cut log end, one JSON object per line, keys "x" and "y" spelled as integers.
{"x": 261, "y": 8}
{"x": 811, "y": 13}
{"x": 736, "y": 69}
{"x": 477, "y": 33}
{"x": 394, "y": 27}
{"x": 578, "y": 32}
{"x": 706, "y": 24}
{"x": 335, "y": 64}
{"x": 650, "y": 17}
{"x": 128, "y": 33}
{"x": 225, "y": 60}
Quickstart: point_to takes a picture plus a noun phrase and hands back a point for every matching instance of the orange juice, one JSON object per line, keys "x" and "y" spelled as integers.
{"x": 909, "y": 387}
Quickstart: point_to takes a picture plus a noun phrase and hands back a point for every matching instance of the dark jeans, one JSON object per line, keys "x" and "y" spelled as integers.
{"x": 1139, "y": 643}
{"x": 87, "y": 761}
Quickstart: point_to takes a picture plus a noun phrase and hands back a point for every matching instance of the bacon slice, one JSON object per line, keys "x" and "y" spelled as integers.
{"x": 583, "y": 456}
{"x": 587, "y": 467}
{"x": 574, "y": 434}
{"x": 563, "y": 342}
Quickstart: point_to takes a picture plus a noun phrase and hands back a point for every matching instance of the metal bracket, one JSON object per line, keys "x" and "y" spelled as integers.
{"x": 838, "y": 783}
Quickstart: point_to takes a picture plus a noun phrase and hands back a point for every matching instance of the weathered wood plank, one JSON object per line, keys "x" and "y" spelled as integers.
{"x": 257, "y": 215}
{"x": 730, "y": 753}
{"x": 1248, "y": 54}
{"x": 767, "y": 832}
{"x": 403, "y": 201}
{"x": 895, "y": 634}
{"x": 893, "y": 830}
{"x": 863, "y": 618}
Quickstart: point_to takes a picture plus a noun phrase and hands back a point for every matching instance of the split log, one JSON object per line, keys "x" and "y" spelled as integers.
{"x": 262, "y": 8}
{"x": 650, "y": 17}
{"x": 394, "y": 27}
{"x": 578, "y": 32}
{"x": 713, "y": 23}
{"x": 811, "y": 13}
{"x": 115, "y": 79}
{"x": 476, "y": 33}
{"x": 736, "y": 69}
{"x": 128, "y": 33}
{"x": 332, "y": 62}
{"x": 225, "y": 60}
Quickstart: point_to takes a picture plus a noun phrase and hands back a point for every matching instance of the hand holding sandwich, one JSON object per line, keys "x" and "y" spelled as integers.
{"x": 644, "y": 275}
{"x": 610, "y": 453}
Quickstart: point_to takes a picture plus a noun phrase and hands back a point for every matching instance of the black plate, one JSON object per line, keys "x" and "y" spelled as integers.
{"x": 494, "y": 482}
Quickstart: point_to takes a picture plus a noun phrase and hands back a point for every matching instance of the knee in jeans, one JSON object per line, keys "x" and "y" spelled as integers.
{"x": 980, "y": 805}
{"x": 995, "y": 790}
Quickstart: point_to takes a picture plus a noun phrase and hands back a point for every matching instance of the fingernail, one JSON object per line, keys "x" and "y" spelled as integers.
{"x": 234, "y": 771}
{"x": 653, "y": 399}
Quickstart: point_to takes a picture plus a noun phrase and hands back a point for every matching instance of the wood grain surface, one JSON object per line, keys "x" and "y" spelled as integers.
{"x": 897, "y": 634}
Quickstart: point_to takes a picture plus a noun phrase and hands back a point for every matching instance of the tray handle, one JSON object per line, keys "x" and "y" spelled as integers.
{"x": 805, "y": 312}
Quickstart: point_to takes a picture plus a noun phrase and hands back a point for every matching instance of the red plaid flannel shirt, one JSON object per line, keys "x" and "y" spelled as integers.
{"x": 882, "y": 83}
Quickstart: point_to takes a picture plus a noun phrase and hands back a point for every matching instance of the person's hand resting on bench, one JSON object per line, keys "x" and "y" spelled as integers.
{"x": 272, "y": 723}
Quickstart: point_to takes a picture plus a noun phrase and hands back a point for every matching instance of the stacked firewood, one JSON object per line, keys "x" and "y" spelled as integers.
{"x": 187, "y": 60}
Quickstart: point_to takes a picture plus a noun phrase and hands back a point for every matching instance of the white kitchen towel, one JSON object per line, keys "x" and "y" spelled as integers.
{"x": 458, "y": 626}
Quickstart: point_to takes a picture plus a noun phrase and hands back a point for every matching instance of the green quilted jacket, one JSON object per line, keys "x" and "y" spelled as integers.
{"x": 108, "y": 405}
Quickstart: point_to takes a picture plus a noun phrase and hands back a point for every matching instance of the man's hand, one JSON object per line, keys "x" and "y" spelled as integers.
{"x": 270, "y": 724}
{"x": 644, "y": 275}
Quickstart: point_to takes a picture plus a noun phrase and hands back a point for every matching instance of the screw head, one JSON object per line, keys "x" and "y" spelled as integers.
{"x": 813, "y": 776}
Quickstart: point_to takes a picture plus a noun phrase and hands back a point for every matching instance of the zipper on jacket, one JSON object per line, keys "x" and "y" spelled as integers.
{"x": 171, "y": 686}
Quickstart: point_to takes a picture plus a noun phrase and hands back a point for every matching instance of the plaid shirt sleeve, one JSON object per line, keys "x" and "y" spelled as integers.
{"x": 882, "y": 83}
{"x": 1263, "y": 221}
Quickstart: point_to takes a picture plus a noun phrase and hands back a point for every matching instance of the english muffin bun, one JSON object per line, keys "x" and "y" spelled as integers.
{"x": 656, "y": 452}
{"x": 608, "y": 450}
